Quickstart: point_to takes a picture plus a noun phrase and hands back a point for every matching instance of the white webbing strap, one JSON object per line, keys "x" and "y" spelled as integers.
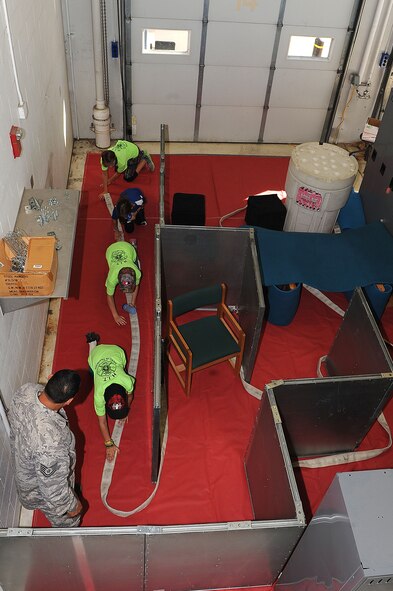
{"x": 321, "y": 296}
{"x": 117, "y": 432}
{"x": 249, "y": 388}
{"x": 349, "y": 457}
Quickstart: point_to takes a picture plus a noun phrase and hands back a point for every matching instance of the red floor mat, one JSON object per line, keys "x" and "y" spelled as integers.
{"x": 203, "y": 477}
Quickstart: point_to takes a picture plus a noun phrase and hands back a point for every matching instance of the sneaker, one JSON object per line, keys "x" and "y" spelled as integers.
{"x": 92, "y": 336}
{"x": 143, "y": 223}
{"x": 129, "y": 308}
{"x": 146, "y": 156}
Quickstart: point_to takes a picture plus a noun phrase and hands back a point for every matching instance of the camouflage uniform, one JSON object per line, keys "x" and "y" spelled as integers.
{"x": 43, "y": 453}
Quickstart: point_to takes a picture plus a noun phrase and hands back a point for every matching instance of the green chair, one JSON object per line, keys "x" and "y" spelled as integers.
{"x": 200, "y": 343}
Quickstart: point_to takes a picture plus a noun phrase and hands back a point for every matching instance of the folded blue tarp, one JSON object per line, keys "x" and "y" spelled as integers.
{"x": 330, "y": 262}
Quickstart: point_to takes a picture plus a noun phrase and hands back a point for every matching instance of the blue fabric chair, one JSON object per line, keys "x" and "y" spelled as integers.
{"x": 206, "y": 341}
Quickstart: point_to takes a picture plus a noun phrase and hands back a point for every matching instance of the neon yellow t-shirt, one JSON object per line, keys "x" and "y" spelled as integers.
{"x": 124, "y": 152}
{"x": 119, "y": 255}
{"x": 107, "y": 363}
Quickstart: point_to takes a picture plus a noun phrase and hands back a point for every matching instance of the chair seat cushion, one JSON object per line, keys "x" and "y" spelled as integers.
{"x": 208, "y": 339}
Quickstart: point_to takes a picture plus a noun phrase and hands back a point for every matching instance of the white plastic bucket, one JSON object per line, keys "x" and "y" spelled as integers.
{"x": 319, "y": 180}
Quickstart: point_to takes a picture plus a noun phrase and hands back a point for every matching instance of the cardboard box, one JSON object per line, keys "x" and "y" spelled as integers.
{"x": 39, "y": 276}
{"x": 370, "y": 130}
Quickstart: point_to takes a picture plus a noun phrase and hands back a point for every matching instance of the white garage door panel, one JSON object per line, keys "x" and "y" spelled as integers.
{"x": 307, "y": 89}
{"x": 170, "y": 9}
{"x": 243, "y": 87}
{"x": 332, "y": 13}
{"x": 294, "y": 125}
{"x": 137, "y": 26}
{"x": 179, "y": 118}
{"x": 332, "y": 63}
{"x": 239, "y": 44}
{"x": 244, "y": 11}
{"x": 172, "y": 85}
{"x": 243, "y": 127}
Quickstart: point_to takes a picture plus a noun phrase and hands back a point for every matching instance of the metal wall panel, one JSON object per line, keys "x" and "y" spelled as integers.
{"x": 249, "y": 310}
{"x": 267, "y": 462}
{"x": 378, "y": 175}
{"x": 348, "y": 544}
{"x": 308, "y": 13}
{"x": 158, "y": 87}
{"x": 236, "y": 555}
{"x": 358, "y": 347}
{"x": 170, "y": 9}
{"x": 331, "y": 415}
{"x": 244, "y": 11}
{"x": 68, "y": 559}
{"x": 200, "y": 256}
{"x": 239, "y": 44}
{"x": 217, "y": 80}
{"x": 243, "y": 127}
{"x": 164, "y": 87}
{"x": 302, "y": 95}
{"x": 241, "y": 34}
{"x": 303, "y": 123}
{"x": 179, "y": 119}
{"x": 196, "y": 257}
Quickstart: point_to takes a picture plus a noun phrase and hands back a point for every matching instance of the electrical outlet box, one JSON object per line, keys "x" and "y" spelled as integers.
{"x": 383, "y": 62}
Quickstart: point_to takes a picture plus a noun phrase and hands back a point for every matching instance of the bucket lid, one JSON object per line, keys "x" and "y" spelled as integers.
{"x": 324, "y": 161}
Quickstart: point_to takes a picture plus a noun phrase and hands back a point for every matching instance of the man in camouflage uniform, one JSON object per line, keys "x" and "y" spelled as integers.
{"x": 43, "y": 448}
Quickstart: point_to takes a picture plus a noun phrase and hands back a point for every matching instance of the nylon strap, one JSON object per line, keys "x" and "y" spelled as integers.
{"x": 117, "y": 432}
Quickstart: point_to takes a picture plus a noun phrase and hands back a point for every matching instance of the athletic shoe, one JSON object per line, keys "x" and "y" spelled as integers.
{"x": 143, "y": 223}
{"x": 92, "y": 336}
{"x": 146, "y": 156}
{"x": 128, "y": 308}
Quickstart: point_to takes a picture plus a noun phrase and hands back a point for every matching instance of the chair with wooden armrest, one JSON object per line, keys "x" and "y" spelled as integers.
{"x": 205, "y": 341}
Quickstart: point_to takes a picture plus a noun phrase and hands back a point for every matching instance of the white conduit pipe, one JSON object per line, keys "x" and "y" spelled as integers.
{"x": 97, "y": 47}
{"x": 363, "y": 79}
{"x": 8, "y": 33}
{"x": 101, "y": 115}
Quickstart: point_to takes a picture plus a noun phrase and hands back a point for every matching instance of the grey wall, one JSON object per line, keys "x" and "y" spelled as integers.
{"x": 37, "y": 40}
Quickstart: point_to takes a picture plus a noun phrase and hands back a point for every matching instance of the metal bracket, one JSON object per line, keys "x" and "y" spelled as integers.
{"x": 19, "y": 532}
{"x": 149, "y": 529}
{"x": 276, "y": 414}
{"x": 274, "y": 384}
{"x": 239, "y": 525}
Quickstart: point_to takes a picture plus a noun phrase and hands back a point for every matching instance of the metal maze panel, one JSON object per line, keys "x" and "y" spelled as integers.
{"x": 333, "y": 414}
{"x": 193, "y": 257}
{"x": 70, "y": 559}
{"x": 358, "y": 348}
{"x": 218, "y": 556}
{"x": 269, "y": 473}
{"x": 329, "y": 415}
